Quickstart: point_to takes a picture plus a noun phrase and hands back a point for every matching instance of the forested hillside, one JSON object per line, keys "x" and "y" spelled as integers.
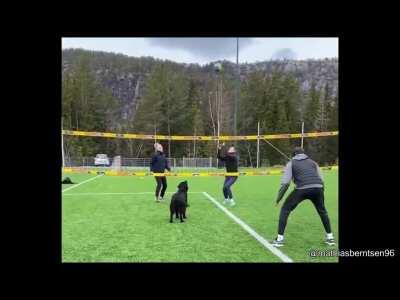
{"x": 112, "y": 92}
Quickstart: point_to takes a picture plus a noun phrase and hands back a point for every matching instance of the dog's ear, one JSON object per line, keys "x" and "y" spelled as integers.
{"x": 183, "y": 186}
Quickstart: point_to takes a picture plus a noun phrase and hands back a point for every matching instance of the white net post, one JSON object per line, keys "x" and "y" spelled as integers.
{"x": 116, "y": 164}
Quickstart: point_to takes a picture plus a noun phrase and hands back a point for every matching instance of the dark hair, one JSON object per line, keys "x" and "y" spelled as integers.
{"x": 297, "y": 150}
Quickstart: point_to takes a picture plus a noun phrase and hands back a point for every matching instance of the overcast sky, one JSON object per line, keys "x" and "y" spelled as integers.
{"x": 205, "y": 50}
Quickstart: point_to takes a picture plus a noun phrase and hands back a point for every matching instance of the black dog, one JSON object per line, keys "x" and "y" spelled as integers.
{"x": 67, "y": 181}
{"x": 179, "y": 202}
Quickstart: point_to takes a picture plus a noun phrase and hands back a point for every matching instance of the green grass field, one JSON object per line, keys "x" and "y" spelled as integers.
{"x": 115, "y": 219}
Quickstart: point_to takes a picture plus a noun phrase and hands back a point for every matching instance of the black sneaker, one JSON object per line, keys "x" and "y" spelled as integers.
{"x": 277, "y": 243}
{"x": 330, "y": 242}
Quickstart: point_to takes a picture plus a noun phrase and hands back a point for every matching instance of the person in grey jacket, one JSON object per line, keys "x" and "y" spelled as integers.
{"x": 308, "y": 179}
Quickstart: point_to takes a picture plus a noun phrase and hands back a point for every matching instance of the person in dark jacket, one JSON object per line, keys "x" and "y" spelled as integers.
{"x": 231, "y": 164}
{"x": 309, "y": 185}
{"x": 159, "y": 164}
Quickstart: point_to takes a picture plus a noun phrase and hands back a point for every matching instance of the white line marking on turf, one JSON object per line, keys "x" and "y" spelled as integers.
{"x": 250, "y": 230}
{"x": 138, "y": 193}
{"x": 74, "y": 186}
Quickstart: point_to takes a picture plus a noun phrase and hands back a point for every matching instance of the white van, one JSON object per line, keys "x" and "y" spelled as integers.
{"x": 101, "y": 160}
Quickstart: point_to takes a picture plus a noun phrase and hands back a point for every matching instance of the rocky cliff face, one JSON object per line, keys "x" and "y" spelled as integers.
{"x": 306, "y": 71}
{"x": 128, "y": 87}
{"x": 126, "y": 76}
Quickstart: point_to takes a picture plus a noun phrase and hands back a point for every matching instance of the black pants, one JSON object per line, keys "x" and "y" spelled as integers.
{"x": 161, "y": 185}
{"x": 316, "y": 195}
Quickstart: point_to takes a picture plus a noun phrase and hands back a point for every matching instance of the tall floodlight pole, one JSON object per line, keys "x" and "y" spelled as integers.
{"x": 237, "y": 90}
{"x": 155, "y": 135}
{"x": 217, "y": 70}
{"x": 302, "y": 133}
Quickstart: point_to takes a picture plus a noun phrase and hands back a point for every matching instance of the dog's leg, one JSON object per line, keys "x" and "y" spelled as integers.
{"x": 186, "y": 201}
{"x": 171, "y": 215}
{"x": 184, "y": 212}
{"x": 181, "y": 214}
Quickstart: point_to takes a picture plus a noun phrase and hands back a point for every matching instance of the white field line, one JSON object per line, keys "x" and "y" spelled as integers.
{"x": 74, "y": 186}
{"x": 138, "y": 193}
{"x": 250, "y": 230}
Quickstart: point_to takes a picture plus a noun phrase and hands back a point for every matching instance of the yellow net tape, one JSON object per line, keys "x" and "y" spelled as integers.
{"x": 183, "y": 174}
{"x": 198, "y": 138}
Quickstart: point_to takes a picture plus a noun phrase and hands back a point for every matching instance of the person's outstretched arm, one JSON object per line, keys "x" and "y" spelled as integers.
{"x": 220, "y": 154}
{"x": 285, "y": 182}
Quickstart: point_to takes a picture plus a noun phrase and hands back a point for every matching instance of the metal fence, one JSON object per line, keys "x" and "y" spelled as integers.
{"x": 183, "y": 162}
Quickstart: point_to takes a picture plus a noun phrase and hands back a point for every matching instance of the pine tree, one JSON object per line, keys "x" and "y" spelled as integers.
{"x": 251, "y": 108}
{"x": 311, "y": 121}
{"x": 311, "y": 115}
{"x": 164, "y": 108}
{"x": 332, "y": 143}
{"x": 176, "y": 101}
{"x": 87, "y": 106}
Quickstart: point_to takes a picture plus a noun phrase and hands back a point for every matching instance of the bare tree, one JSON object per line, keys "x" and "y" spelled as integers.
{"x": 248, "y": 151}
{"x": 139, "y": 150}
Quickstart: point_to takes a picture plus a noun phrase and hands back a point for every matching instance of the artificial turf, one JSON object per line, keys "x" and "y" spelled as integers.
{"x": 130, "y": 226}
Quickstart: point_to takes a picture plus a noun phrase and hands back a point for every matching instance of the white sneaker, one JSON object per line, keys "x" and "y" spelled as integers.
{"x": 226, "y": 201}
{"x": 232, "y": 202}
{"x": 330, "y": 242}
{"x": 277, "y": 243}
